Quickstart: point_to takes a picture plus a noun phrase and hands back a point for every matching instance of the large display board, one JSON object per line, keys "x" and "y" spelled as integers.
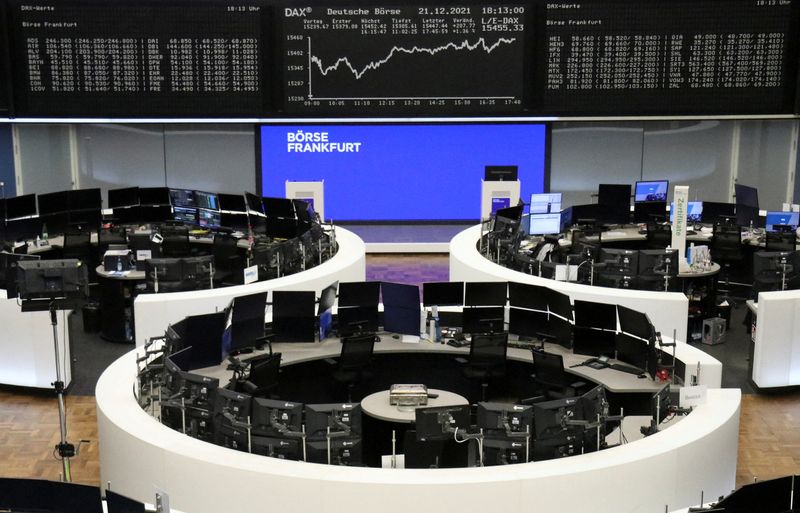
{"x": 401, "y": 172}
{"x": 141, "y": 58}
{"x": 404, "y": 59}
{"x": 326, "y": 58}
{"x": 616, "y": 57}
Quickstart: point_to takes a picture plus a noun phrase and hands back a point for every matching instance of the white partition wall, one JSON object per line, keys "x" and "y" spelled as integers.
{"x": 668, "y": 311}
{"x": 776, "y": 356}
{"x": 498, "y": 190}
{"x": 313, "y": 192}
{"x": 154, "y": 312}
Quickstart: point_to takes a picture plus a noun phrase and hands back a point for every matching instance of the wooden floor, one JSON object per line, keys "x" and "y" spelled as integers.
{"x": 769, "y": 433}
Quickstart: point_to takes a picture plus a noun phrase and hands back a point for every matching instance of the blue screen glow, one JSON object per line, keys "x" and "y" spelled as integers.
{"x": 400, "y": 172}
{"x": 784, "y": 218}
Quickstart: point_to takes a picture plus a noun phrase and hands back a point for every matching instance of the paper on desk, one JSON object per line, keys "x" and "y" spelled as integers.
{"x": 410, "y": 339}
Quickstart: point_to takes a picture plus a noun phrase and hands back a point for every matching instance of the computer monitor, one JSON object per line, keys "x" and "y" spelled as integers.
{"x": 513, "y": 214}
{"x": 746, "y": 205}
{"x": 483, "y": 319}
{"x": 359, "y": 293}
{"x": 649, "y": 211}
{"x": 595, "y": 328}
{"x": 545, "y": 203}
{"x": 327, "y": 299}
{"x": 659, "y": 405}
{"x": 620, "y": 261}
{"x": 52, "y": 203}
{"x": 116, "y": 503}
{"x": 277, "y": 447}
{"x": 352, "y": 320}
{"x": 247, "y": 320}
{"x": 775, "y": 270}
{"x": 550, "y": 417}
{"x": 293, "y": 316}
{"x": 125, "y": 197}
{"x": 232, "y": 202}
{"x": 655, "y": 265}
{"x": 84, "y": 199}
{"x": 713, "y": 211}
{"x": 440, "y": 422}
{"x": 590, "y": 314}
{"x": 524, "y": 295}
{"x": 767, "y": 496}
{"x": 232, "y": 405}
{"x": 154, "y": 196}
{"x": 339, "y": 451}
{"x": 272, "y": 417}
{"x": 21, "y": 206}
{"x": 303, "y": 210}
{"x": 254, "y": 203}
{"x": 655, "y": 190}
{"x": 632, "y": 350}
{"x": 500, "y": 419}
{"x": 614, "y": 194}
{"x": 203, "y": 333}
{"x": 544, "y": 224}
{"x": 339, "y": 417}
{"x": 504, "y": 451}
{"x": 694, "y": 212}
{"x": 443, "y": 293}
{"x": 401, "y": 311}
{"x": 500, "y": 173}
{"x": 182, "y": 198}
{"x": 559, "y": 304}
{"x": 527, "y": 323}
{"x": 789, "y": 219}
{"x": 594, "y": 406}
{"x": 198, "y": 390}
{"x": 8, "y": 271}
{"x": 278, "y": 207}
{"x": 485, "y": 293}
{"x": 41, "y": 495}
{"x": 185, "y": 215}
{"x": 634, "y": 322}
{"x": 206, "y": 200}
{"x": 211, "y": 219}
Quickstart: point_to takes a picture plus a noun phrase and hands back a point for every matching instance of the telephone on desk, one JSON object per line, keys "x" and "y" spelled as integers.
{"x": 597, "y": 363}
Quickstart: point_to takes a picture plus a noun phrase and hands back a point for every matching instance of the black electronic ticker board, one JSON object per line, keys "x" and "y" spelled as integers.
{"x": 405, "y": 59}
{"x": 122, "y": 58}
{"x": 622, "y": 57}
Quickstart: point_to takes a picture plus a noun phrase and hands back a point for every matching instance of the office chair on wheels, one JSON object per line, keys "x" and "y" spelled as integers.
{"x": 352, "y": 367}
{"x": 781, "y": 241}
{"x": 726, "y": 250}
{"x": 487, "y": 359}
{"x": 659, "y": 236}
{"x": 175, "y": 242}
{"x": 550, "y": 376}
{"x": 226, "y": 260}
{"x": 263, "y": 375}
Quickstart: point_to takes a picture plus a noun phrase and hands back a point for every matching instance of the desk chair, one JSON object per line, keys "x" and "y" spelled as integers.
{"x": 659, "y": 236}
{"x": 487, "y": 359}
{"x": 262, "y": 377}
{"x": 226, "y": 260}
{"x": 354, "y": 361}
{"x": 77, "y": 244}
{"x": 778, "y": 241}
{"x": 176, "y": 241}
{"x": 106, "y": 238}
{"x": 550, "y": 375}
{"x": 726, "y": 250}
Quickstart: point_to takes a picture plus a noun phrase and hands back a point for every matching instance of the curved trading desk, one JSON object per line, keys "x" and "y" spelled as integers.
{"x": 671, "y": 467}
{"x": 668, "y": 311}
{"x": 154, "y": 312}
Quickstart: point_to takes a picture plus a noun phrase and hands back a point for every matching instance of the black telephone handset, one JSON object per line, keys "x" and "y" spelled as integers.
{"x": 597, "y": 363}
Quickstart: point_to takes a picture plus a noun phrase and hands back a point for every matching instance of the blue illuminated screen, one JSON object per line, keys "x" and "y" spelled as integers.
{"x": 651, "y": 191}
{"x": 400, "y": 172}
{"x": 545, "y": 203}
{"x": 545, "y": 224}
{"x": 785, "y": 218}
{"x": 694, "y": 210}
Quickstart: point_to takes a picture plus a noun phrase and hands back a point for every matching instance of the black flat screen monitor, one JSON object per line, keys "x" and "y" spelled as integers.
{"x": 281, "y": 227}
{"x": 235, "y": 221}
{"x": 185, "y": 215}
{"x": 712, "y": 211}
{"x": 293, "y": 316}
{"x": 634, "y": 322}
{"x": 769, "y": 496}
{"x": 116, "y": 503}
{"x": 746, "y": 205}
{"x": 545, "y": 224}
{"x": 272, "y": 417}
{"x": 359, "y": 293}
{"x": 511, "y": 213}
{"x": 8, "y": 271}
{"x": 327, "y": 298}
{"x": 632, "y": 350}
{"x": 545, "y": 203}
{"x": 40, "y": 495}
{"x": 651, "y": 191}
{"x": 84, "y": 199}
{"x": 339, "y": 417}
{"x": 206, "y": 200}
{"x": 247, "y": 320}
{"x": 504, "y": 418}
{"x": 649, "y": 211}
{"x": 277, "y": 447}
{"x": 208, "y": 218}
{"x": 232, "y": 405}
{"x": 340, "y": 451}
{"x": 443, "y": 293}
{"x": 401, "y": 312}
{"x": 232, "y": 202}
{"x": 622, "y": 262}
{"x": 500, "y": 173}
{"x": 154, "y": 196}
{"x": 504, "y": 451}
{"x": 21, "y": 206}
{"x": 125, "y": 197}
{"x": 303, "y": 210}
{"x": 439, "y": 422}
{"x": 593, "y": 342}
{"x": 254, "y": 202}
{"x": 182, "y": 198}
{"x": 658, "y": 262}
{"x": 523, "y": 295}
{"x": 483, "y": 319}
{"x": 549, "y": 417}
{"x": 52, "y": 203}
{"x": 593, "y": 405}
{"x": 278, "y": 207}
{"x": 582, "y": 214}
{"x": 353, "y": 320}
{"x": 486, "y": 293}
{"x": 527, "y": 323}
{"x": 559, "y": 304}
{"x": 591, "y": 314}
{"x": 204, "y": 334}
{"x": 614, "y": 194}
{"x": 694, "y": 212}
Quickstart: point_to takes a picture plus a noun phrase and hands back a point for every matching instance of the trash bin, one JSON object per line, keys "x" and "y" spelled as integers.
{"x": 91, "y": 318}
{"x": 714, "y": 331}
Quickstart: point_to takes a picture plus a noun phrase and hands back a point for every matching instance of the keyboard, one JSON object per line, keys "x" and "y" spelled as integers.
{"x": 626, "y": 368}
{"x": 525, "y": 344}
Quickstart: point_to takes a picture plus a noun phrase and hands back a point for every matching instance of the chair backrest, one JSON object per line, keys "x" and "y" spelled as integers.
{"x": 488, "y": 349}
{"x": 777, "y": 241}
{"x": 224, "y": 245}
{"x": 658, "y": 235}
{"x": 356, "y": 351}
{"x": 264, "y": 372}
{"x": 77, "y": 239}
{"x": 549, "y": 368}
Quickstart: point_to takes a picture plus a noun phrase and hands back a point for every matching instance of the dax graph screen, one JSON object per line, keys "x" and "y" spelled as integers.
{"x": 375, "y": 60}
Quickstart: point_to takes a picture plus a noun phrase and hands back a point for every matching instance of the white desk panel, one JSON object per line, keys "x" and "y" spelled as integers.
{"x": 776, "y": 356}
{"x": 154, "y": 312}
{"x": 669, "y": 468}
{"x": 668, "y": 311}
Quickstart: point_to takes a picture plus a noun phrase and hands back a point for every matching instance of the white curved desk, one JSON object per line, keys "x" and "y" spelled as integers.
{"x": 776, "y": 351}
{"x": 668, "y": 311}
{"x": 154, "y": 312}
{"x": 671, "y": 467}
